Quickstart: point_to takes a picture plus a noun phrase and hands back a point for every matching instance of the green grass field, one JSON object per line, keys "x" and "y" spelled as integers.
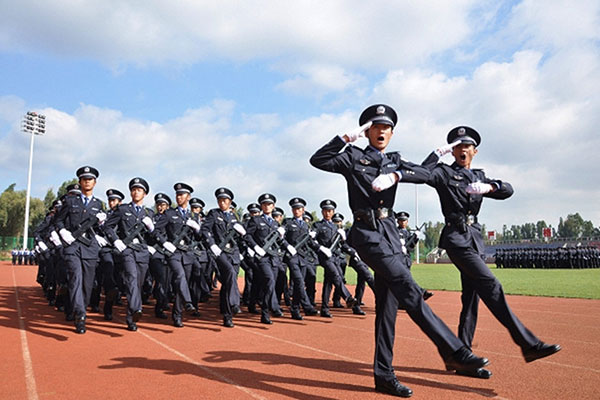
{"x": 575, "y": 283}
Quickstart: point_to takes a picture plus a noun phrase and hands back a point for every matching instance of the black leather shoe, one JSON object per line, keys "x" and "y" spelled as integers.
{"x": 177, "y": 323}
{"x": 253, "y": 310}
{"x": 236, "y": 309}
{"x": 326, "y": 314}
{"x": 132, "y": 327}
{"x": 160, "y": 315}
{"x": 196, "y": 314}
{"x": 80, "y": 326}
{"x": 393, "y": 387}
{"x": 358, "y": 311}
{"x": 108, "y": 316}
{"x": 350, "y": 302}
{"x": 480, "y": 373}
{"x": 427, "y": 294}
{"x": 265, "y": 320}
{"x": 311, "y": 313}
{"x": 464, "y": 360}
{"x": 277, "y": 314}
{"x": 69, "y": 317}
{"x": 297, "y": 316}
{"x": 189, "y": 308}
{"x": 137, "y": 315}
{"x": 337, "y": 304}
{"x": 540, "y": 350}
{"x": 227, "y": 322}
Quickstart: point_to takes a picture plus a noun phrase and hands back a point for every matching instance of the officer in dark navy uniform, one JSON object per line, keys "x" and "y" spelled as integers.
{"x": 297, "y": 234}
{"x": 220, "y": 230}
{"x": 461, "y": 190}
{"x": 76, "y": 221}
{"x": 158, "y": 264}
{"x": 203, "y": 265}
{"x": 265, "y": 239}
{"x": 107, "y": 260}
{"x": 329, "y": 237}
{"x": 248, "y": 264}
{"x": 371, "y": 176}
{"x": 175, "y": 233}
{"x": 409, "y": 242}
{"x": 128, "y": 228}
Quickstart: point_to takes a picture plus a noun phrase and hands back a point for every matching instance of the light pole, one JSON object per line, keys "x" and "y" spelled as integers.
{"x": 34, "y": 124}
{"x": 417, "y": 218}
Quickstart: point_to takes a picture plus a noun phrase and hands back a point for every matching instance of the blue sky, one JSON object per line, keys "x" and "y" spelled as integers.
{"x": 241, "y": 93}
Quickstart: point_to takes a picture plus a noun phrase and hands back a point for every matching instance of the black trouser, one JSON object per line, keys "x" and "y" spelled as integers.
{"x": 479, "y": 282}
{"x": 364, "y": 275}
{"x": 333, "y": 275}
{"x": 310, "y": 280}
{"x": 158, "y": 270}
{"x": 182, "y": 272}
{"x": 298, "y": 265}
{"x": 266, "y": 267}
{"x": 227, "y": 276}
{"x": 394, "y": 285}
{"x": 133, "y": 273}
{"x": 80, "y": 280}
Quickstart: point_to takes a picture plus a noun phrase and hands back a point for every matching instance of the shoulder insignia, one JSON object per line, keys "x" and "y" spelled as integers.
{"x": 364, "y": 161}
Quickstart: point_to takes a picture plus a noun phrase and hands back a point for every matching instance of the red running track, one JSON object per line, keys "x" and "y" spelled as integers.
{"x": 43, "y": 358}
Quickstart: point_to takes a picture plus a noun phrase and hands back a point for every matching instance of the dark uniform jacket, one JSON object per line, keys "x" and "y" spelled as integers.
{"x": 215, "y": 229}
{"x": 121, "y": 224}
{"x": 71, "y": 215}
{"x": 460, "y": 208}
{"x": 360, "y": 167}
{"x": 258, "y": 232}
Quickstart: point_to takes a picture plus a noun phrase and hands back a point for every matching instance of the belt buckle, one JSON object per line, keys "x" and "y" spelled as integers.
{"x": 182, "y": 242}
{"x": 228, "y": 246}
{"x": 470, "y": 219}
{"x": 135, "y": 240}
{"x": 382, "y": 213}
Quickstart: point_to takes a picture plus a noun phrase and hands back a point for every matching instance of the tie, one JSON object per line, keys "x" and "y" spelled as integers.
{"x": 85, "y": 201}
{"x": 138, "y": 209}
{"x": 183, "y": 213}
{"x": 227, "y": 216}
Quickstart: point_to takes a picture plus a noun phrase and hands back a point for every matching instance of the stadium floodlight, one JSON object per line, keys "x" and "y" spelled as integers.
{"x": 34, "y": 124}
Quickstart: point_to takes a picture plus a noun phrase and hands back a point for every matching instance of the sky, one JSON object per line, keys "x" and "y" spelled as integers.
{"x": 241, "y": 94}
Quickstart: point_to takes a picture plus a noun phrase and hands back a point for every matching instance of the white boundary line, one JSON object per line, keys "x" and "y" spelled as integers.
{"x": 28, "y": 365}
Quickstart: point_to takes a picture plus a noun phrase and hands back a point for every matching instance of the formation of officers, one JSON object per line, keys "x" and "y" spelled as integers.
{"x": 23, "y": 257}
{"x": 176, "y": 254}
{"x": 548, "y": 257}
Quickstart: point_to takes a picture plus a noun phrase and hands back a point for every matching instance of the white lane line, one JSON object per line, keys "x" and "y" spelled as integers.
{"x": 29, "y": 376}
{"x": 202, "y": 367}
{"x": 340, "y": 356}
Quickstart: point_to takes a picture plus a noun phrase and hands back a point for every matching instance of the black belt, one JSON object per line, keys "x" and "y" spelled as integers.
{"x": 371, "y": 215}
{"x": 461, "y": 220}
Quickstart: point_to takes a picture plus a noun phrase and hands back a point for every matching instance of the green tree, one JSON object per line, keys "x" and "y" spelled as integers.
{"x": 63, "y": 188}
{"x": 572, "y": 226}
{"x": 49, "y": 198}
{"x": 12, "y": 212}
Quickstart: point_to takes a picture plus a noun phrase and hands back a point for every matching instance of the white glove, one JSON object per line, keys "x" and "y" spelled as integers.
{"x": 101, "y": 241}
{"x": 170, "y": 247}
{"x": 384, "y": 181}
{"x": 148, "y": 222}
{"x": 445, "y": 149}
{"x": 251, "y": 252}
{"x": 193, "y": 224}
{"x": 119, "y": 245}
{"x": 101, "y": 217}
{"x": 260, "y": 251}
{"x": 354, "y": 134}
{"x": 66, "y": 235}
{"x": 292, "y": 250}
{"x": 42, "y": 246}
{"x": 151, "y": 250}
{"x": 342, "y": 233}
{"x": 281, "y": 231}
{"x": 312, "y": 234}
{"x": 239, "y": 229}
{"x": 479, "y": 188}
{"x": 215, "y": 250}
{"x": 325, "y": 251}
{"x": 241, "y": 257}
{"x": 55, "y": 239}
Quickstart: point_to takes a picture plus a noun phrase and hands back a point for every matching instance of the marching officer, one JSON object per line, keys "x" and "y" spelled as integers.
{"x": 127, "y": 229}
{"x": 158, "y": 263}
{"x": 371, "y": 175}
{"x": 76, "y": 221}
{"x": 220, "y": 230}
{"x": 461, "y": 190}
{"x": 175, "y": 233}
{"x": 297, "y": 234}
{"x": 329, "y": 238}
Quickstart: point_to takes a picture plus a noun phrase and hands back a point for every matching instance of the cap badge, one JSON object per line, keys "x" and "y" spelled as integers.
{"x": 461, "y": 131}
{"x": 86, "y": 169}
{"x": 179, "y": 186}
{"x": 137, "y": 180}
{"x": 380, "y": 110}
